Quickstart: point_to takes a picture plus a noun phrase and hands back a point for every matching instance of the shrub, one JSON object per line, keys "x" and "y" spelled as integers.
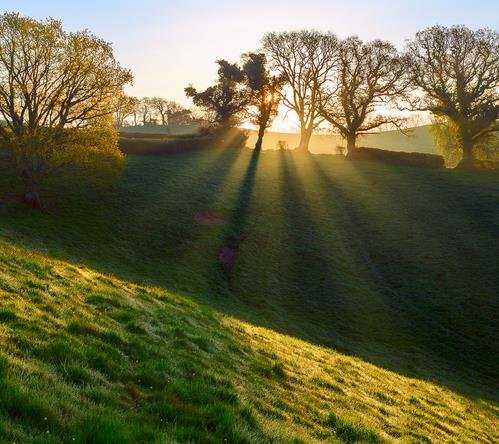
{"x": 398, "y": 158}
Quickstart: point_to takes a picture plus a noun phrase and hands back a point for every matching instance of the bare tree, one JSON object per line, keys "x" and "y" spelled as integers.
{"x": 304, "y": 59}
{"x": 125, "y": 108}
{"x": 367, "y": 75}
{"x": 145, "y": 110}
{"x": 264, "y": 91}
{"x": 159, "y": 107}
{"x": 455, "y": 72}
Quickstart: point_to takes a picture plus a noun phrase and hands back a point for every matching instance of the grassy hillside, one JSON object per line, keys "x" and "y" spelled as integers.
{"x": 362, "y": 305}
{"x": 419, "y": 139}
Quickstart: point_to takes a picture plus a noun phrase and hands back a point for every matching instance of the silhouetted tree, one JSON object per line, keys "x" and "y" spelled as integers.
{"x": 366, "y": 76}
{"x": 160, "y": 107}
{"x": 177, "y": 115}
{"x": 58, "y": 91}
{"x": 226, "y": 101}
{"x": 304, "y": 59}
{"x": 145, "y": 110}
{"x": 455, "y": 72}
{"x": 264, "y": 91}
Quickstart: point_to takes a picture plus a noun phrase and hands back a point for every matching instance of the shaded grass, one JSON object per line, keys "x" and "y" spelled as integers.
{"x": 390, "y": 264}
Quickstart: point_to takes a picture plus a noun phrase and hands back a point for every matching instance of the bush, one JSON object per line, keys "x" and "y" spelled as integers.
{"x": 233, "y": 138}
{"x": 398, "y": 158}
{"x": 448, "y": 143}
{"x": 47, "y": 153}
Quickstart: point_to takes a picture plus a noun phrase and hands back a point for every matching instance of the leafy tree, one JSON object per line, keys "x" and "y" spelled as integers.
{"x": 304, "y": 59}
{"x": 55, "y": 88}
{"x": 264, "y": 92}
{"x": 455, "y": 73}
{"x": 446, "y": 136}
{"x": 367, "y": 75}
{"x": 225, "y": 102}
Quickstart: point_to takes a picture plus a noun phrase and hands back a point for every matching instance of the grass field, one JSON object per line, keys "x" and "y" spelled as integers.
{"x": 362, "y": 306}
{"x": 418, "y": 139}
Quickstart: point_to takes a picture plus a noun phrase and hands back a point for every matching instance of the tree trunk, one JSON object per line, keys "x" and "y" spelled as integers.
{"x": 305, "y": 135}
{"x": 259, "y": 141}
{"x": 351, "y": 145}
{"x": 467, "y": 162}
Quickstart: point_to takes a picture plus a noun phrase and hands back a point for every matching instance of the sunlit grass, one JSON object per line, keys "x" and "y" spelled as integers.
{"x": 89, "y": 356}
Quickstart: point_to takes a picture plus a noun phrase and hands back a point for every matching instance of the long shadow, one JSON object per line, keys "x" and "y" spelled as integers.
{"x": 318, "y": 305}
{"x": 313, "y": 274}
{"x": 142, "y": 205}
{"x": 171, "y": 217}
{"x": 221, "y": 278}
{"x": 434, "y": 345}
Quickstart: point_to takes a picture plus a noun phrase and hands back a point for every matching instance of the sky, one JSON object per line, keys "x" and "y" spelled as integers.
{"x": 169, "y": 44}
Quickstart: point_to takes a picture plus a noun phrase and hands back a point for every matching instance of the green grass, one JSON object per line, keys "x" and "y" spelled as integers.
{"x": 362, "y": 307}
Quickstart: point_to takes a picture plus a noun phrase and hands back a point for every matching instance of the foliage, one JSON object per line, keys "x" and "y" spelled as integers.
{"x": 125, "y": 108}
{"x": 264, "y": 91}
{"x": 447, "y": 142}
{"x": 225, "y": 102}
{"x": 56, "y": 88}
{"x": 95, "y": 147}
{"x": 206, "y": 140}
{"x": 431, "y": 161}
{"x": 455, "y": 73}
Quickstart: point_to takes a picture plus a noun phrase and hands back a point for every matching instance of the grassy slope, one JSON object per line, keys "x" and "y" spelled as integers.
{"x": 122, "y": 327}
{"x": 419, "y": 139}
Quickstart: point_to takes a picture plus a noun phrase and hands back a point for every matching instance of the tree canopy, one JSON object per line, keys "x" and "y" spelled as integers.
{"x": 52, "y": 84}
{"x": 366, "y": 76}
{"x": 455, "y": 75}
{"x": 264, "y": 90}
{"x": 225, "y": 102}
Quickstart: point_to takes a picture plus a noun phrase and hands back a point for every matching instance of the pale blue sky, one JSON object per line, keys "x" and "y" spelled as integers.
{"x": 169, "y": 44}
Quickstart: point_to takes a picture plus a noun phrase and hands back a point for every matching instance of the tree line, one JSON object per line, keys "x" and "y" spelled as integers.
{"x": 356, "y": 87}
{"x": 62, "y": 93}
{"x": 151, "y": 111}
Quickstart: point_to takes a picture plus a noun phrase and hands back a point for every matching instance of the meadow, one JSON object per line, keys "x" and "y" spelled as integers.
{"x": 418, "y": 139}
{"x": 362, "y": 305}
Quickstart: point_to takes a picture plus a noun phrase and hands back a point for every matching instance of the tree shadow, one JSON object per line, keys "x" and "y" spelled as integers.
{"x": 434, "y": 339}
{"x": 221, "y": 277}
{"x": 154, "y": 201}
{"x": 331, "y": 281}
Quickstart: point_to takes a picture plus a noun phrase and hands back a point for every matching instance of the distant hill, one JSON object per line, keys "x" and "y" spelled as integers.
{"x": 419, "y": 140}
